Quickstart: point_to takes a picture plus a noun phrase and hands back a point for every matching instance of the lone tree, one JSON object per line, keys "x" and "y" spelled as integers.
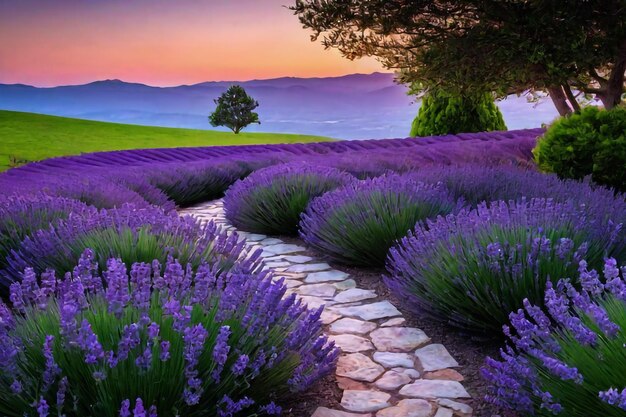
{"x": 234, "y": 110}
{"x": 502, "y": 46}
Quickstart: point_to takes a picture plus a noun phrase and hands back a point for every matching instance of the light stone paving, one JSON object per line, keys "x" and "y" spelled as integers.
{"x": 386, "y": 369}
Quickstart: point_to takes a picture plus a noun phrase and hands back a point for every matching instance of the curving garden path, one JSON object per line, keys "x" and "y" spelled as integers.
{"x": 385, "y": 369}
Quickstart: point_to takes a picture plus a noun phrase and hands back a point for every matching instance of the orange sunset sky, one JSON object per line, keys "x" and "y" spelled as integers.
{"x": 159, "y": 42}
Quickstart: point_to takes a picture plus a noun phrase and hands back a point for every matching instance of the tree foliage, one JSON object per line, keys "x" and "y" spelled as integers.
{"x": 506, "y": 46}
{"x": 235, "y": 110}
{"x": 444, "y": 113}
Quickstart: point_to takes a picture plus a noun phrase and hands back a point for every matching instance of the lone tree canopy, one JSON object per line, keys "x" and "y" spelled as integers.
{"x": 234, "y": 110}
{"x": 503, "y": 46}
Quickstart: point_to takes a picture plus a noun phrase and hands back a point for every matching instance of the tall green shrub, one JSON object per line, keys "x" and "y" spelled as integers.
{"x": 444, "y": 113}
{"x": 592, "y": 142}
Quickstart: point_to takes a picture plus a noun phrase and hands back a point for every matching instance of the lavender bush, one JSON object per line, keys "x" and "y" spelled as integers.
{"x": 272, "y": 199}
{"x": 196, "y": 182}
{"x": 145, "y": 342}
{"x": 478, "y": 183}
{"x": 99, "y": 190}
{"x": 22, "y": 216}
{"x": 570, "y": 360}
{"x": 129, "y": 233}
{"x": 472, "y": 269}
{"x": 358, "y": 223}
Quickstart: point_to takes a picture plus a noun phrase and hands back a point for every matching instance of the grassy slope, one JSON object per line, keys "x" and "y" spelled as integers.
{"x": 32, "y": 137}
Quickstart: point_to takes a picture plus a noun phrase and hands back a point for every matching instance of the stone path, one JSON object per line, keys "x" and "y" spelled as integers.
{"x": 386, "y": 369}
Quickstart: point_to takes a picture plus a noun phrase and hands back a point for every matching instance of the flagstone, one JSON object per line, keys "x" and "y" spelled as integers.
{"x": 355, "y": 400}
{"x": 426, "y": 388}
{"x": 354, "y": 294}
{"x": 325, "y": 276}
{"x": 308, "y": 267}
{"x": 393, "y": 339}
{"x": 408, "y": 408}
{"x": 351, "y": 343}
{"x": 348, "y": 325}
{"x": 358, "y": 367}
{"x": 392, "y": 360}
{"x": 371, "y": 311}
{"x": 435, "y": 357}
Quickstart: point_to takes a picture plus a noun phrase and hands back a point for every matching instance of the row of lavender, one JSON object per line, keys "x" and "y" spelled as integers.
{"x": 468, "y": 245}
{"x": 186, "y": 176}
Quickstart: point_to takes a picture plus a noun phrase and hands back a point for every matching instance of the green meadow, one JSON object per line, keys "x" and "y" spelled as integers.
{"x": 26, "y": 137}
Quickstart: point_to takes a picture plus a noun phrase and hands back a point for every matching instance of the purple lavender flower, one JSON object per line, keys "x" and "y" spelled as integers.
{"x": 52, "y": 369}
{"x": 42, "y": 407}
{"x": 229, "y": 407}
{"x": 165, "y": 350}
{"x": 87, "y": 340}
{"x": 140, "y": 279}
{"x": 614, "y": 397}
{"x": 139, "y": 410}
{"x": 117, "y": 286}
{"x": 62, "y": 392}
{"x": 193, "y": 338}
{"x": 240, "y": 365}
{"x": 125, "y": 408}
{"x": 144, "y": 360}
{"x": 220, "y": 352}
{"x": 130, "y": 340}
{"x": 153, "y": 331}
{"x": 16, "y": 387}
{"x": 271, "y": 409}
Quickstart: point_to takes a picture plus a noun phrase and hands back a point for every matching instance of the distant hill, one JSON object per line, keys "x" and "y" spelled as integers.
{"x": 354, "y": 106}
{"x": 31, "y": 137}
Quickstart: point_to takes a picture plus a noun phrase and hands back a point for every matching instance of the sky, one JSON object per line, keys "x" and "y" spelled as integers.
{"x": 160, "y": 42}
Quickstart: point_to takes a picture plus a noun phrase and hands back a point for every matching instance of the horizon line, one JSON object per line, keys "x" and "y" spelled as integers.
{"x": 194, "y": 84}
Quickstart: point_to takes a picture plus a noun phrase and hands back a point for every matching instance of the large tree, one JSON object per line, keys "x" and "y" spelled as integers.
{"x": 506, "y": 46}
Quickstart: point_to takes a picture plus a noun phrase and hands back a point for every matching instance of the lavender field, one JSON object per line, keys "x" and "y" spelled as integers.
{"x": 298, "y": 279}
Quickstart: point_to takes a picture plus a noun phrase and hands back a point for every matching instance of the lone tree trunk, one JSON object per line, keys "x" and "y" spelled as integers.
{"x": 612, "y": 94}
{"x": 560, "y": 100}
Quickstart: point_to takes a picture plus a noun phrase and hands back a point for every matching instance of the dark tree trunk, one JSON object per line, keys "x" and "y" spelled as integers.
{"x": 571, "y": 98}
{"x": 560, "y": 101}
{"x": 612, "y": 95}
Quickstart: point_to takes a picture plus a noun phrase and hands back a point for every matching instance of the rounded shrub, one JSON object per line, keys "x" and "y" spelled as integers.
{"x": 131, "y": 234}
{"x": 568, "y": 357}
{"x": 442, "y": 113}
{"x": 272, "y": 199}
{"x": 472, "y": 269}
{"x": 592, "y": 142}
{"x": 358, "y": 223}
{"x": 136, "y": 341}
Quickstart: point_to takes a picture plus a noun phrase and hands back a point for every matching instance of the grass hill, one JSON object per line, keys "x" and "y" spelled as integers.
{"x": 27, "y": 137}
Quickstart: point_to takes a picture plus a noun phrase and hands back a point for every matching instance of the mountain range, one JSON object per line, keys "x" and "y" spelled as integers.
{"x": 357, "y": 106}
